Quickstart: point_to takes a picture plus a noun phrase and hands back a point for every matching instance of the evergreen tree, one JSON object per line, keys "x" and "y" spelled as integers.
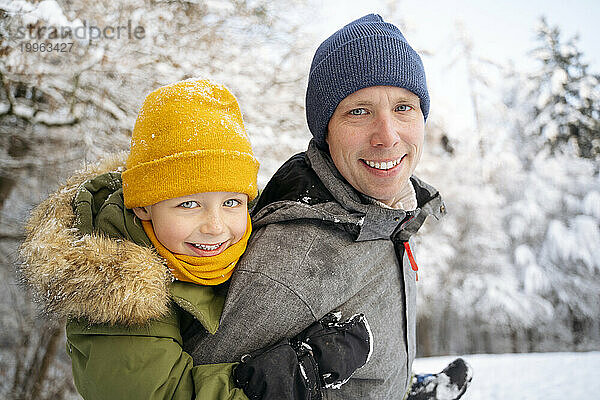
{"x": 566, "y": 112}
{"x": 552, "y": 215}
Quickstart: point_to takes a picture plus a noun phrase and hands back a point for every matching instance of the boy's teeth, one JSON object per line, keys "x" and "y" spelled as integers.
{"x": 383, "y": 165}
{"x": 207, "y": 247}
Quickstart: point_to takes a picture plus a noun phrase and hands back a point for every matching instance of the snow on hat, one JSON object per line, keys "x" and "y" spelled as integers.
{"x": 366, "y": 52}
{"x": 189, "y": 137}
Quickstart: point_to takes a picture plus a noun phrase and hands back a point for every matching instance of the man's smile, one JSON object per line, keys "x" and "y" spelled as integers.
{"x": 383, "y": 164}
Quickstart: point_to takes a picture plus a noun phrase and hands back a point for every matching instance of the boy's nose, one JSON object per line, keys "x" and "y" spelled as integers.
{"x": 212, "y": 223}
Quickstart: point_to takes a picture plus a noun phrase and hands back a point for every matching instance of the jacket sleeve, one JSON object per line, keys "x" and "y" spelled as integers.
{"x": 145, "y": 363}
{"x": 215, "y": 381}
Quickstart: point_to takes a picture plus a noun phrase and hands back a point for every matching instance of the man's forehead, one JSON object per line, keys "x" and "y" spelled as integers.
{"x": 372, "y": 94}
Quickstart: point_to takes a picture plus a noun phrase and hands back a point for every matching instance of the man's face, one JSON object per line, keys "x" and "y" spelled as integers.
{"x": 375, "y": 138}
{"x": 201, "y": 225}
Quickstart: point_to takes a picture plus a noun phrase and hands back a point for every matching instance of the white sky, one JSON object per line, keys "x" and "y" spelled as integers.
{"x": 500, "y": 31}
{"x": 503, "y": 29}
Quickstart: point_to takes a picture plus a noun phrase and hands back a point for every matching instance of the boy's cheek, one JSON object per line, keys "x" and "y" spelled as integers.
{"x": 169, "y": 233}
{"x": 241, "y": 225}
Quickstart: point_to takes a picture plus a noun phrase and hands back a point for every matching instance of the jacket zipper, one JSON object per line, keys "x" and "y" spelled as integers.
{"x": 411, "y": 259}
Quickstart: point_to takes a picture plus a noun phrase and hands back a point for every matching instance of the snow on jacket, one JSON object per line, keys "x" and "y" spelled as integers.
{"x": 88, "y": 261}
{"x": 317, "y": 246}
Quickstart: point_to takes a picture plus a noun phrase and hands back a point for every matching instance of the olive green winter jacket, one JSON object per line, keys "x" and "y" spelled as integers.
{"x": 89, "y": 262}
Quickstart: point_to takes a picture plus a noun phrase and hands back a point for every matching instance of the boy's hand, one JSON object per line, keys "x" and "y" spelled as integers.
{"x": 324, "y": 355}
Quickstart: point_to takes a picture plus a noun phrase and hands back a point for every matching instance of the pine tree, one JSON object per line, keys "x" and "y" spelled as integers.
{"x": 552, "y": 216}
{"x": 566, "y": 116}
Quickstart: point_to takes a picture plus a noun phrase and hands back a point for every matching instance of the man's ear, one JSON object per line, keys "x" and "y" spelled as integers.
{"x": 142, "y": 213}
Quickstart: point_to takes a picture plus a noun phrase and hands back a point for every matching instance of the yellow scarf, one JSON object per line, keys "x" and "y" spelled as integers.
{"x": 201, "y": 270}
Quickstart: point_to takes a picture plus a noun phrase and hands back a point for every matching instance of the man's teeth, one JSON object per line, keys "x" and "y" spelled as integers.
{"x": 383, "y": 165}
{"x": 207, "y": 247}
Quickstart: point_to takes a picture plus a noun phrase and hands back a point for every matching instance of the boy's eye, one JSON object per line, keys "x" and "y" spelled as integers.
{"x": 404, "y": 107}
{"x": 189, "y": 204}
{"x": 357, "y": 111}
{"x": 232, "y": 203}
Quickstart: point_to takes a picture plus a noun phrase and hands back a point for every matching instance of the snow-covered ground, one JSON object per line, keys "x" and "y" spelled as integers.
{"x": 533, "y": 376}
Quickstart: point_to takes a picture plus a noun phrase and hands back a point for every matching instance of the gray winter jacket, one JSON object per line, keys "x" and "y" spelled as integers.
{"x": 319, "y": 246}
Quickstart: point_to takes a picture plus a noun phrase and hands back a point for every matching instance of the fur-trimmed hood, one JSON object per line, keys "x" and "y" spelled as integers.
{"x": 91, "y": 276}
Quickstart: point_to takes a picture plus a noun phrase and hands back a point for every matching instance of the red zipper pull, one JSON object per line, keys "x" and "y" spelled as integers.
{"x": 411, "y": 259}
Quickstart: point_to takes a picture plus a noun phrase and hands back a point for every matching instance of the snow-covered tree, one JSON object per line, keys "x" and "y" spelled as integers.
{"x": 514, "y": 265}
{"x": 554, "y": 230}
{"x": 552, "y": 216}
{"x": 566, "y": 113}
{"x": 471, "y": 297}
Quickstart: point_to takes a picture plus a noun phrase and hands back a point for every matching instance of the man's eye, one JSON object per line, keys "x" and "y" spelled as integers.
{"x": 189, "y": 204}
{"x": 232, "y": 203}
{"x": 404, "y": 107}
{"x": 357, "y": 111}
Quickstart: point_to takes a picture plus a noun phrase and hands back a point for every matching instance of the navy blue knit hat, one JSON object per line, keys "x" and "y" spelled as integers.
{"x": 366, "y": 52}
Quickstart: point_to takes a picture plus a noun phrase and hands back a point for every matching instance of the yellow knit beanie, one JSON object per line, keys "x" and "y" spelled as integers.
{"x": 188, "y": 138}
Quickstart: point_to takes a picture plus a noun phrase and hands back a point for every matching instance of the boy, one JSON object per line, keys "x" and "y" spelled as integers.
{"x": 189, "y": 177}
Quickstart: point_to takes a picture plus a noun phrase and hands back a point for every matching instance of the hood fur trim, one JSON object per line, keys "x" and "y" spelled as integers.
{"x": 94, "y": 277}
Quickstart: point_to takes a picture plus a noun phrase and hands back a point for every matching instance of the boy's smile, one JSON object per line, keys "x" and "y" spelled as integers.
{"x": 207, "y": 250}
{"x": 201, "y": 224}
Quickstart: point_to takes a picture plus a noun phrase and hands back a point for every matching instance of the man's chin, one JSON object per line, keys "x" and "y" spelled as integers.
{"x": 385, "y": 198}
{"x": 389, "y": 196}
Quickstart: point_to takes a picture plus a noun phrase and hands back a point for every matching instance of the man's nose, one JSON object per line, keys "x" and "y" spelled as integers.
{"x": 211, "y": 223}
{"x": 385, "y": 132}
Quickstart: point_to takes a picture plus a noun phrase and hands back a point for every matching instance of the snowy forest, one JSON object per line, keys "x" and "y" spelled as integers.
{"x": 513, "y": 267}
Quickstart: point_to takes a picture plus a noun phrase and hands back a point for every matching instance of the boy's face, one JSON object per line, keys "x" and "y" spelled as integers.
{"x": 201, "y": 225}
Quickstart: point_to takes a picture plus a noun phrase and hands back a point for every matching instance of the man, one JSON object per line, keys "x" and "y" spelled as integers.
{"x": 333, "y": 224}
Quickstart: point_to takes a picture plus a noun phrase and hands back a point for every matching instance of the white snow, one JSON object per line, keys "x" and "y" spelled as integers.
{"x": 591, "y": 204}
{"x": 533, "y": 376}
{"x": 558, "y": 80}
{"x": 447, "y": 390}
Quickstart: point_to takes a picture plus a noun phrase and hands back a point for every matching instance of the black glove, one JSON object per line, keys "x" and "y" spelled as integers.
{"x": 324, "y": 355}
{"x": 272, "y": 373}
{"x": 339, "y": 348}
